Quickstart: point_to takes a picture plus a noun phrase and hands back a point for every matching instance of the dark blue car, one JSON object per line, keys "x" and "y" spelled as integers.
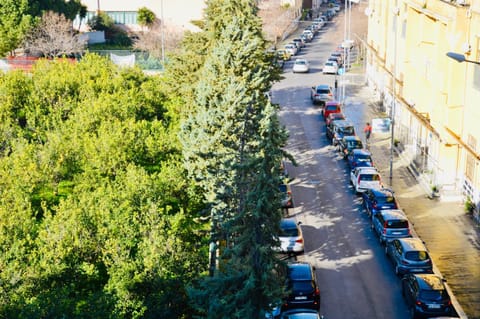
{"x": 375, "y": 200}
{"x": 359, "y": 158}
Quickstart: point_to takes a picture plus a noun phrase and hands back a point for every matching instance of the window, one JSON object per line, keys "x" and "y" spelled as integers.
{"x": 397, "y": 223}
{"x": 470, "y": 162}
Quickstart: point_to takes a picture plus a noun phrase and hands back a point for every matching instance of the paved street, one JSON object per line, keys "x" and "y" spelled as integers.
{"x": 451, "y": 236}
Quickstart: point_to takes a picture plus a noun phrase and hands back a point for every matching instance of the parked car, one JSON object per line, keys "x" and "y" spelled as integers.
{"x": 287, "y": 198}
{"x": 302, "y": 287}
{"x": 299, "y": 42}
{"x": 300, "y": 314}
{"x": 349, "y": 143}
{"x": 331, "y": 107}
{"x": 426, "y": 295}
{"x": 330, "y": 67}
{"x": 321, "y": 94}
{"x": 284, "y": 55}
{"x": 363, "y": 178}
{"x": 375, "y": 200}
{"x": 305, "y": 38}
{"x": 409, "y": 255}
{"x": 291, "y": 49}
{"x": 291, "y": 238}
{"x": 333, "y": 117}
{"x": 390, "y": 224}
{"x": 309, "y": 34}
{"x": 339, "y": 56}
{"x": 301, "y": 66}
{"x": 339, "y": 129}
{"x": 359, "y": 158}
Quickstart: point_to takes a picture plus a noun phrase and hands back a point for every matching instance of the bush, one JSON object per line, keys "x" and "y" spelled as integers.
{"x": 101, "y": 22}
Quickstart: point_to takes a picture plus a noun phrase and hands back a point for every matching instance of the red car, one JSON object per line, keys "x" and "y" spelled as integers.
{"x": 331, "y": 107}
{"x": 334, "y": 116}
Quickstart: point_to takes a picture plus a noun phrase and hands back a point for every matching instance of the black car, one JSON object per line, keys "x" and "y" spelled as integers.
{"x": 426, "y": 295}
{"x": 302, "y": 288}
{"x": 375, "y": 200}
{"x": 336, "y": 130}
{"x": 349, "y": 143}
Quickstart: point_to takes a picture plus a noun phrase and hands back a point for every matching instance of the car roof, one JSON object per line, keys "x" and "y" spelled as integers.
{"x": 353, "y": 138}
{"x": 393, "y": 214}
{"x": 323, "y": 86}
{"x": 412, "y": 243}
{"x": 366, "y": 168}
{"x": 332, "y": 103}
{"x": 429, "y": 282}
{"x": 288, "y": 223}
{"x": 359, "y": 151}
{"x": 382, "y": 192}
{"x": 300, "y": 271}
{"x": 343, "y": 123}
{"x": 336, "y": 115}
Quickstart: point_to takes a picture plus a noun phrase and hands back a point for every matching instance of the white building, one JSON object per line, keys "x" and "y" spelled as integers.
{"x": 178, "y": 13}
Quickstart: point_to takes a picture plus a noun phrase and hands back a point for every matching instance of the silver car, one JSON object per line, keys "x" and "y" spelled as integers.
{"x": 391, "y": 224}
{"x": 409, "y": 255}
{"x": 321, "y": 94}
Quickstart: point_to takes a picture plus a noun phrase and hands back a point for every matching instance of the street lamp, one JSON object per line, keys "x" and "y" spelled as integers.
{"x": 396, "y": 12}
{"x": 460, "y": 58}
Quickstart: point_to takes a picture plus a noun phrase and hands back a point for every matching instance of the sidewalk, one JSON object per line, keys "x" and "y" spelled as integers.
{"x": 451, "y": 236}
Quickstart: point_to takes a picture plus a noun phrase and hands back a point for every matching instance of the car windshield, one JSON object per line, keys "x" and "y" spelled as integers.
{"x": 396, "y": 223}
{"x": 369, "y": 177}
{"x": 352, "y": 144}
{"x": 323, "y": 91}
{"x": 433, "y": 295}
{"x": 386, "y": 200}
{"x": 331, "y": 107}
{"x": 300, "y": 62}
{"x": 364, "y": 158}
{"x": 417, "y": 255}
{"x": 347, "y": 130}
{"x": 289, "y": 232}
{"x": 304, "y": 286}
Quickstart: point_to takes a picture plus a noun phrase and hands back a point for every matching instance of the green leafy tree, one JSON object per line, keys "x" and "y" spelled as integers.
{"x": 15, "y": 21}
{"x": 101, "y": 22}
{"x": 232, "y": 145}
{"x": 145, "y": 17}
{"x": 98, "y": 218}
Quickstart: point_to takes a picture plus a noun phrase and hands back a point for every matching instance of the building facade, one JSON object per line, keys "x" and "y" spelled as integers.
{"x": 179, "y": 13}
{"x": 431, "y": 98}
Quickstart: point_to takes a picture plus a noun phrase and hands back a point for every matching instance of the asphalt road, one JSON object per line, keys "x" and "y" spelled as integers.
{"x": 355, "y": 278}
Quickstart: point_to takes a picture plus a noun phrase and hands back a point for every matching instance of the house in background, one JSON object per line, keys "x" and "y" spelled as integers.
{"x": 178, "y": 13}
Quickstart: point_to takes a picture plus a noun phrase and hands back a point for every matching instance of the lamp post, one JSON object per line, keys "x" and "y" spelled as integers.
{"x": 395, "y": 11}
{"x": 162, "y": 26}
{"x": 460, "y": 58}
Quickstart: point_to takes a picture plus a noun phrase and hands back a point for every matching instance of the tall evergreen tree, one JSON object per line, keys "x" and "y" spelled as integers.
{"x": 232, "y": 145}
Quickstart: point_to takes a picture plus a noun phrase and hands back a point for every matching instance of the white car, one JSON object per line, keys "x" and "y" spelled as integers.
{"x": 330, "y": 67}
{"x": 308, "y": 33}
{"x": 363, "y": 178}
{"x": 291, "y": 238}
{"x": 291, "y": 49}
{"x": 301, "y": 66}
